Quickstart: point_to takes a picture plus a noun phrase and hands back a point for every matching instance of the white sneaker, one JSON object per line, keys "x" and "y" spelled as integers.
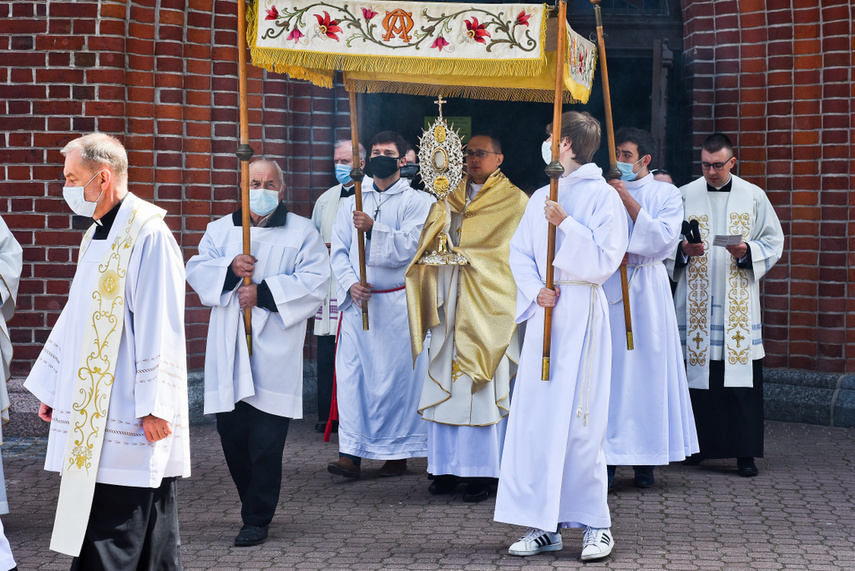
{"x": 597, "y": 543}
{"x": 536, "y": 541}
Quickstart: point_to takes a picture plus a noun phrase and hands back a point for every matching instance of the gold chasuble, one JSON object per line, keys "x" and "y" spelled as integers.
{"x": 484, "y": 320}
{"x": 102, "y": 337}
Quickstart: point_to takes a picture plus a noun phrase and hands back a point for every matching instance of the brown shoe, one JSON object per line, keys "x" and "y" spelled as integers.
{"x": 346, "y": 467}
{"x": 393, "y": 468}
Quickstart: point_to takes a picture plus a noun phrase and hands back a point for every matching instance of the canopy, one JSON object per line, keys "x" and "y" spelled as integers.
{"x": 484, "y": 51}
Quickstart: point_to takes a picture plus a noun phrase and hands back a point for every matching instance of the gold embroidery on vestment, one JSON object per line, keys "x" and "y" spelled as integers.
{"x": 697, "y": 297}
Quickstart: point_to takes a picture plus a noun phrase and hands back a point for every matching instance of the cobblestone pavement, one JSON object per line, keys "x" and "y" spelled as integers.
{"x": 798, "y": 514}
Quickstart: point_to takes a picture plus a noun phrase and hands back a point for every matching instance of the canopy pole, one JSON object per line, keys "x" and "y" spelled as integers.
{"x": 244, "y": 153}
{"x": 554, "y": 170}
{"x": 356, "y": 174}
{"x": 613, "y": 173}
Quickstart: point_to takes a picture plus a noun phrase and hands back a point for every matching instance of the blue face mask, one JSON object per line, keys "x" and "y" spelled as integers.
{"x": 342, "y": 173}
{"x": 262, "y": 201}
{"x": 626, "y": 170}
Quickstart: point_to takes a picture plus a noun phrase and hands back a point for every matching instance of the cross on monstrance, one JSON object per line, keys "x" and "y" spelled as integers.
{"x": 697, "y": 339}
{"x": 439, "y": 103}
{"x": 738, "y": 338}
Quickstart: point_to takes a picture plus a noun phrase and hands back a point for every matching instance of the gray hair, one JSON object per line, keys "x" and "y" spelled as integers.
{"x": 98, "y": 150}
{"x": 349, "y": 144}
{"x": 276, "y": 168}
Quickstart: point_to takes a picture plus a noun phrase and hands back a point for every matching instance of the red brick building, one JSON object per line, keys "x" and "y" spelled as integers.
{"x": 162, "y": 76}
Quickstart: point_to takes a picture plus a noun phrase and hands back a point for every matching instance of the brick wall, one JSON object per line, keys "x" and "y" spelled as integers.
{"x": 162, "y": 76}
{"x": 777, "y": 76}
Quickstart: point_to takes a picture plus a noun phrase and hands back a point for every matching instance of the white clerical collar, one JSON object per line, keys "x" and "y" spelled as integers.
{"x": 474, "y": 189}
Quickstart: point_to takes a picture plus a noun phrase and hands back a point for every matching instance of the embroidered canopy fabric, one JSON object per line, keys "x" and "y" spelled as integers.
{"x": 488, "y": 51}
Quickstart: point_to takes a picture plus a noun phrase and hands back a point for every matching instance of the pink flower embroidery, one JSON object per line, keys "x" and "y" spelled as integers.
{"x": 522, "y": 18}
{"x": 328, "y": 26}
{"x": 476, "y": 30}
{"x": 272, "y": 14}
{"x": 439, "y": 43}
{"x": 368, "y": 13}
{"x": 295, "y": 34}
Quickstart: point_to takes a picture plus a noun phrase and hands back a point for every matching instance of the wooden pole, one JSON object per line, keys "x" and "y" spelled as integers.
{"x": 613, "y": 172}
{"x": 554, "y": 170}
{"x": 356, "y": 174}
{"x": 244, "y": 153}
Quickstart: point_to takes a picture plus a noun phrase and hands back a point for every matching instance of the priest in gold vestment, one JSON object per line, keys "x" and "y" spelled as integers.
{"x": 469, "y": 311}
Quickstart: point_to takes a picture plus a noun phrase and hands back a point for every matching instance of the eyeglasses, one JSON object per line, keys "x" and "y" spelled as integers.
{"x": 714, "y": 166}
{"x": 481, "y": 154}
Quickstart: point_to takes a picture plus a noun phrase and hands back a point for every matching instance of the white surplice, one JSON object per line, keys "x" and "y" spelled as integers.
{"x": 293, "y": 262}
{"x": 151, "y": 370}
{"x": 650, "y": 412}
{"x": 323, "y": 216}
{"x": 11, "y": 263}
{"x": 378, "y": 387}
{"x": 765, "y": 239}
{"x": 553, "y": 467}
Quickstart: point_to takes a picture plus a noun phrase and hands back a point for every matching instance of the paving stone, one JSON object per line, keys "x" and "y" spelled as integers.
{"x": 797, "y": 514}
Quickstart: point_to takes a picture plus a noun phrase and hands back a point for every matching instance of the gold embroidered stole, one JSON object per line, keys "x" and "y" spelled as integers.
{"x": 699, "y": 288}
{"x": 100, "y": 351}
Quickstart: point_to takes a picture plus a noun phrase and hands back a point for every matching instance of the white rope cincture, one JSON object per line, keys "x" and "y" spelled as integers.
{"x": 589, "y": 356}
{"x": 632, "y": 278}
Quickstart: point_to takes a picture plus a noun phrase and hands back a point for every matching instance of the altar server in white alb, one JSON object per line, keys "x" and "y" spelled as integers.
{"x": 256, "y": 395}
{"x": 11, "y": 263}
{"x": 378, "y": 387}
{"x": 326, "y": 320}
{"x": 718, "y": 304}
{"x": 553, "y": 468}
{"x": 650, "y": 412}
{"x": 112, "y": 376}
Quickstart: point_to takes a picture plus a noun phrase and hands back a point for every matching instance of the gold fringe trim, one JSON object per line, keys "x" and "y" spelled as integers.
{"x": 577, "y": 94}
{"x": 319, "y": 67}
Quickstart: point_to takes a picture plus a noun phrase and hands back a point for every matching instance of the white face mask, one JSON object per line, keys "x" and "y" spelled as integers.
{"x": 263, "y": 201}
{"x": 546, "y": 151}
{"x": 75, "y": 199}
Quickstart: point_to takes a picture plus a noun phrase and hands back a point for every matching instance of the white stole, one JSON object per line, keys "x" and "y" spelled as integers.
{"x": 738, "y": 371}
{"x": 94, "y": 383}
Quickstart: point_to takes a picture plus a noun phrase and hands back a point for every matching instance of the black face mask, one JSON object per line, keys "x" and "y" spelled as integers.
{"x": 383, "y": 166}
{"x": 409, "y": 170}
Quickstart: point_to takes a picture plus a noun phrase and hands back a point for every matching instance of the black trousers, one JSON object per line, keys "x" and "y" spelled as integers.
{"x": 729, "y": 420}
{"x": 253, "y": 442}
{"x": 132, "y": 528}
{"x": 326, "y": 368}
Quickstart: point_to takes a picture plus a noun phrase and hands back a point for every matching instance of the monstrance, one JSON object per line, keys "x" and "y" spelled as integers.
{"x": 441, "y": 169}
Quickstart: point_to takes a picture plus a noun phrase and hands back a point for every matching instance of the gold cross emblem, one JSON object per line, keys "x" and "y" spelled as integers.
{"x": 697, "y": 339}
{"x": 738, "y": 338}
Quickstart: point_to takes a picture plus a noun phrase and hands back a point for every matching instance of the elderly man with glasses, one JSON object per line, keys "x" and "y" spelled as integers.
{"x": 734, "y": 240}
{"x": 469, "y": 311}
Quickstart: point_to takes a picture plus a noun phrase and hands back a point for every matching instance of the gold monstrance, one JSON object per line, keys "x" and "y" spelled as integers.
{"x": 441, "y": 169}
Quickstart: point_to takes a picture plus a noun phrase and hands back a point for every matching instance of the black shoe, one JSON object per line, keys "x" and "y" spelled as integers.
{"x": 444, "y": 484}
{"x": 322, "y": 427}
{"x": 746, "y": 467}
{"x": 251, "y": 535}
{"x": 643, "y": 476}
{"x": 693, "y": 460}
{"x": 476, "y": 492}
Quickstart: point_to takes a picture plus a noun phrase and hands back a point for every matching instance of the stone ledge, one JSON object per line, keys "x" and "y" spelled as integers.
{"x": 814, "y": 398}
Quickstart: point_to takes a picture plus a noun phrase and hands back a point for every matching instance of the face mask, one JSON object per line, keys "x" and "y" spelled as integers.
{"x": 626, "y": 170}
{"x": 342, "y": 173}
{"x": 263, "y": 201}
{"x": 546, "y": 151}
{"x": 73, "y": 196}
{"x": 383, "y": 166}
{"x": 409, "y": 171}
